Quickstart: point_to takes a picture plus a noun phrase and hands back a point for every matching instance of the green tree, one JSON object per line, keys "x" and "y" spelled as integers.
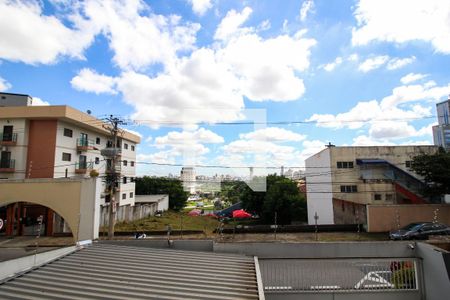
{"x": 435, "y": 169}
{"x": 160, "y": 185}
{"x": 282, "y": 196}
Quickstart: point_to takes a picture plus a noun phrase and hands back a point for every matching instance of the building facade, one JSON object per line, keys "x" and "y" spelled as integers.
{"x": 187, "y": 176}
{"x": 441, "y": 132}
{"x": 341, "y": 181}
{"x": 61, "y": 142}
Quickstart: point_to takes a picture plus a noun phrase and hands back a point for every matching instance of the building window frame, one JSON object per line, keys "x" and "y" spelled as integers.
{"x": 377, "y": 197}
{"x": 132, "y": 148}
{"x": 97, "y": 141}
{"x": 124, "y": 196}
{"x": 68, "y": 132}
{"x": 349, "y": 188}
{"x": 345, "y": 164}
{"x": 66, "y": 156}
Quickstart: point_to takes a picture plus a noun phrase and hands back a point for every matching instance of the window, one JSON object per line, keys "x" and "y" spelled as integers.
{"x": 68, "y": 132}
{"x": 124, "y": 196}
{"x": 124, "y": 180}
{"x": 377, "y": 197}
{"x": 132, "y": 147}
{"x": 97, "y": 160}
{"x": 408, "y": 164}
{"x": 125, "y": 163}
{"x": 109, "y": 144}
{"x": 132, "y": 163}
{"x": 66, "y": 156}
{"x": 345, "y": 165}
{"x": 131, "y": 194}
{"x": 7, "y": 133}
{"x": 132, "y": 179}
{"x": 349, "y": 189}
{"x": 389, "y": 197}
{"x": 97, "y": 141}
{"x": 125, "y": 145}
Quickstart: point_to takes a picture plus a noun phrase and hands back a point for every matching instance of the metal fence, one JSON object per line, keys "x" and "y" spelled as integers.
{"x": 303, "y": 275}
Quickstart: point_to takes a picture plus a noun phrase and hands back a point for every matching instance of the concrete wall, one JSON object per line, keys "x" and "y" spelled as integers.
{"x": 382, "y": 218}
{"x": 319, "y": 187}
{"x": 128, "y": 213}
{"x": 74, "y": 200}
{"x": 372, "y": 295}
{"x": 319, "y": 250}
{"x": 436, "y": 274}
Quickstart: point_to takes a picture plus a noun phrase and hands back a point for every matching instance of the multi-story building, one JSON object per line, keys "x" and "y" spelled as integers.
{"x": 60, "y": 141}
{"x": 341, "y": 181}
{"x": 441, "y": 132}
{"x": 187, "y": 176}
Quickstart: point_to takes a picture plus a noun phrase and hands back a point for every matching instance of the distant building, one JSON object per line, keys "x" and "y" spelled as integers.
{"x": 341, "y": 181}
{"x": 187, "y": 176}
{"x": 59, "y": 142}
{"x": 441, "y": 132}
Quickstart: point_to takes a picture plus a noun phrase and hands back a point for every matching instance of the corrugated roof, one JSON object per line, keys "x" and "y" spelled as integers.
{"x": 106, "y": 271}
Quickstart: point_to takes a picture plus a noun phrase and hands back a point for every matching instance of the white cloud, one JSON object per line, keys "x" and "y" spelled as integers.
{"x": 200, "y": 7}
{"x": 373, "y": 63}
{"x": 201, "y": 135}
{"x": 230, "y": 25}
{"x": 397, "y": 63}
{"x": 90, "y": 81}
{"x": 307, "y": 8}
{"x": 402, "y": 21}
{"x": 353, "y": 57}
{"x": 39, "y": 102}
{"x": 4, "y": 85}
{"x": 390, "y": 117}
{"x": 411, "y": 77}
{"x": 273, "y": 134}
{"x": 331, "y": 66}
{"x": 31, "y": 37}
{"x": 138, "y": 37}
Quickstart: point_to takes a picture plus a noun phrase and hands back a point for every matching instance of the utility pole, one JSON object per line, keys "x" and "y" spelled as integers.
{"x": 113, "y": 127}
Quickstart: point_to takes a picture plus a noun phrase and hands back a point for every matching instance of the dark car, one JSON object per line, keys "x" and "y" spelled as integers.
{"x": 419, "y": 231}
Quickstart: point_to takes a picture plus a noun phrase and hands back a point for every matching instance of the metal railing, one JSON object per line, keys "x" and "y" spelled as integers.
{"x": 81, "y": 142}
{"x": 7, "y": 163}
{"x": 8, "y": 137}
{"x": 83, "y": 165}
{"x": 325, "y": 275}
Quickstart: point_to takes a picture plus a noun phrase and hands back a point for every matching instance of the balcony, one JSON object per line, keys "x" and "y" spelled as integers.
{"x": 85, "y": 145}
{"x": 8, "y": 139}
{"x": 111, "y": 152}
{"x": 82, "y": 167}
{"x": 7, "y": 166}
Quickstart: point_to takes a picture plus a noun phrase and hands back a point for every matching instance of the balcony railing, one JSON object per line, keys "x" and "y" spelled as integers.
{"x": 8, "y": 138}
{"x": 85, "y": 144}
{"x": 7, "y": 165}
{"x": 111, "y": 152}
{"x": 83, "y": 167}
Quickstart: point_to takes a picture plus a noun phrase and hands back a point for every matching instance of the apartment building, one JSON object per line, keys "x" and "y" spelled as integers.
{"x": 441, "y": 132}
{"x": 187, "y": 176}
{"x": 341, "y": 181}
{"x": 60, "y": 141}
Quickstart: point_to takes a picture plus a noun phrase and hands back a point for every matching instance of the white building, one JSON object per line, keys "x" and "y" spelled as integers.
{"x": 60, "y": 141}
{"x": 341, "y": 181}
{"x": 187, "y": 176}
{"x": 441, "y": 132}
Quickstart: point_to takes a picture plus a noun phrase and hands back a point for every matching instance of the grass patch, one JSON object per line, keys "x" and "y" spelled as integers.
{"x": 206, "y": 223}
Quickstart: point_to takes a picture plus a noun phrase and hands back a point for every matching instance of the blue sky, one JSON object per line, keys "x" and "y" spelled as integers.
{"x": 357, "y": 72}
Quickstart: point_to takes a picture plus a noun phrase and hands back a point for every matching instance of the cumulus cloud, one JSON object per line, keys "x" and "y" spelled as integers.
{"x": 331, "y": 66}
{"x": 39, "y": 102}
{"x": 274, "y": 134}
{"x": 403, "y": 21}
{"x": 231, "y": 24}
{"x": 200, "y": 7}
{"x": 373, "y": 63}
{"x": 38, "y": 39}
{"x": 411, "y": 77}
{"x": 397, "y": 63}
{"x": 307, "y": 8}
{"x": 90, "y": 81}
{"x": 201, "y": 135}
{"x": 4, "y": 85}
{"x": 390, "y": 117}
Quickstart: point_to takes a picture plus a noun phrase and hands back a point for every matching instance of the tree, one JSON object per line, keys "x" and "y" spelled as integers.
{"x": 435, "y": 169}
{"x": 160, "y": 185}
{"x": 282, "y": 196}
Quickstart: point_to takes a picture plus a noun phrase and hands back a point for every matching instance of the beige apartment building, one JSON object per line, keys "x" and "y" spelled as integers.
{"x": 58, "y": 142}
{"x": 341, "y": 181}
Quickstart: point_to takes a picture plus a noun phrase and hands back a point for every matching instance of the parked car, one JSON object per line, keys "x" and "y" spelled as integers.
{"x": 419, "y": 231}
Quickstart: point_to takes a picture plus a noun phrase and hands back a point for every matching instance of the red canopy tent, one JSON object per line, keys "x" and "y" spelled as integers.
{"x": 195, "y": 212}
{"x": 241, "y": 214}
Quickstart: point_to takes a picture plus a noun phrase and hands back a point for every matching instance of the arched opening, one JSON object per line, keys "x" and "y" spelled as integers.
{"x": 31, "y": 219}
